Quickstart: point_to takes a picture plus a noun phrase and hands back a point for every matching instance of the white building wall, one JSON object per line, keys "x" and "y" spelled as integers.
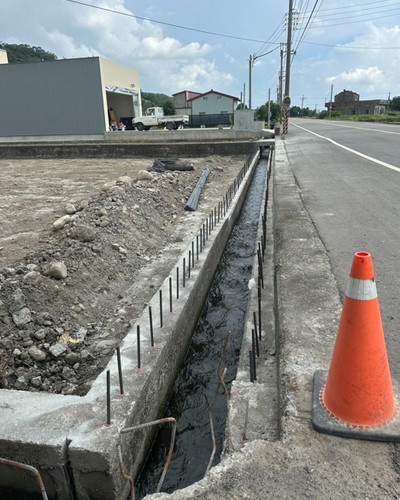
{"x": 212, "y": 103}
{"x": 123, "y": 80}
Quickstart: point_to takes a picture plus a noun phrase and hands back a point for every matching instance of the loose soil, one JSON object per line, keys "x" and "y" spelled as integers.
{"x": 84, "y": 244}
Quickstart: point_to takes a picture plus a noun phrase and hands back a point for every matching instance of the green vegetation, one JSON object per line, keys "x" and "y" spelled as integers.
{"x": 151, "y": 100}
{"x": 261, "y": 113}
{"x": 18, "y": 53}
{"x": 395, "y": 104}
{"x": 392, "y": 116}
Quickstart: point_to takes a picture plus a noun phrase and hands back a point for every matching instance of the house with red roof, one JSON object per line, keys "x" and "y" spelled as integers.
{"x": 211, "y": 108}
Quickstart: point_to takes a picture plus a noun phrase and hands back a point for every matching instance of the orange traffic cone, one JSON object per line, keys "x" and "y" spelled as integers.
{"x": 356, "y": 399}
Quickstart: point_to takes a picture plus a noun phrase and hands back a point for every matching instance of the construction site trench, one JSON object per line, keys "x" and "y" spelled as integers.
{"x": 114, "y": 229}
{"x": 198, "y": 395}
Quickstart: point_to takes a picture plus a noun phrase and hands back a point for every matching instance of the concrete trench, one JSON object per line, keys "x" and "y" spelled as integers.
{"x": 66, "y": 438}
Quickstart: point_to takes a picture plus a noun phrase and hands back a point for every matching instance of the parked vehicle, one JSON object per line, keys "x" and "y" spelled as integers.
{"x": 154, "y": 117}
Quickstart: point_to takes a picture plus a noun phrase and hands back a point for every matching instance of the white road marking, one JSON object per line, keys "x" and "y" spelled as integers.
{"x": 362, "y": 155}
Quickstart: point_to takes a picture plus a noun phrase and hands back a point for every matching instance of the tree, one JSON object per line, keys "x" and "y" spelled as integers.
{"x": 295, "y": 111}
{"x": 395, "y": 103}
{"x": 150, "y": 99}
{"x": 17, "y": 53}
{"x": 168, "y": 105}
{"x": 261, "y": 113}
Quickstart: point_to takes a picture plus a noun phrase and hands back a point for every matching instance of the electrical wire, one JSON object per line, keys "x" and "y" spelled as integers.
{"x": 213, "y": 33}
{"x": 307, "y": 26}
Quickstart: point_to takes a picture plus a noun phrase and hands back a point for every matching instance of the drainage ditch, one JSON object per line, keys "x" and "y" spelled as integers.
{"x": 216, "y": 341}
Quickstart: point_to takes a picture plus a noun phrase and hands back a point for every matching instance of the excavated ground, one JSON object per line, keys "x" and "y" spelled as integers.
{"x": 84, "y": 244}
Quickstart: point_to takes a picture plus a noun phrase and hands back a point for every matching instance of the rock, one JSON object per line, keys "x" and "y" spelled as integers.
{"x": 68, "y": 373}
{"x": 108, "y": 185}
{"x": 17, "y": 301}
{"x": 60, "y": 223}
{"x": 31, "y": 277}
{"x": 83, "y": 233}
{"x": 36, "y": 354}
{"x": 58, "y": 349}
{"x": 22, "y": 317}
{"x": 83, "y": 204}
{"x": 144, "y": 175}
{"x": 81, "y": 334}
{"x": 36, "y": 381}
{"x": 71, "y": 358}
{"x": 124, "y": 180}
{"x": 40, "y": 334}
{"x": 57, "y": 270}
{"x": 70, "y": 209}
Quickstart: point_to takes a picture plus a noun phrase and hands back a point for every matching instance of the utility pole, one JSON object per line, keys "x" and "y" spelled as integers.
{"x": 288, "y": 61}
{"x": 251, "y": 59}
{"x": 244, "y": 96}
{"x": 330, "y": 103}
{"x": 269, "y": 108}
{"x": 280, "y": 91}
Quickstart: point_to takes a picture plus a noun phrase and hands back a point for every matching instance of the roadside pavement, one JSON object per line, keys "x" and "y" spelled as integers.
{"x": 282, "y": 456}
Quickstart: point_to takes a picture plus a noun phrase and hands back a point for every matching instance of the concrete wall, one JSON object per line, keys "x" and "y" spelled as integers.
{"x": 150, "y": 144}
{"x": 66, "y": 438}
{"x": 51, "y": 98}
{"x": 244, "y": 121}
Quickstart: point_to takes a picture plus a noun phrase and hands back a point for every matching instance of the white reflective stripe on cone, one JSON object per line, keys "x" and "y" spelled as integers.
{"x": 361, "y": 289}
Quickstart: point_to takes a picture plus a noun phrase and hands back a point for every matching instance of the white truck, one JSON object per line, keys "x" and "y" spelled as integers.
{"x": 154, "y": 117}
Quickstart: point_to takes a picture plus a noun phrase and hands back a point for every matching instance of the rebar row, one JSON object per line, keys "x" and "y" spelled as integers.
{"x": 196, "y": 248}
{"x": 183, "y": 274}
{"x": 254, "y": 352}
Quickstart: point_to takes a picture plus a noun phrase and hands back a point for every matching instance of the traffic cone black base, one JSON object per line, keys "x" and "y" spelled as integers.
{"x": 323, "y": 421}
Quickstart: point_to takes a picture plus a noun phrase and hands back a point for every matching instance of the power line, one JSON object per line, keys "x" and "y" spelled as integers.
{"x": 348, "y": 47}
{"x": 360, "y": 6}
{"x": 126, "y": 14}
{"x": 308, "y": 24}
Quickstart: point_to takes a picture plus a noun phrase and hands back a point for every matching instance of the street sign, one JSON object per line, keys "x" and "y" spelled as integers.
{"x": 286, "y": 102}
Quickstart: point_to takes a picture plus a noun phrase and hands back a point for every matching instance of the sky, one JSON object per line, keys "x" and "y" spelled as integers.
{"x": 202, "y": 45}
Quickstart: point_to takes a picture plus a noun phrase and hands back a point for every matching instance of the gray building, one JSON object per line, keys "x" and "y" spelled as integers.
{"x": 208, "y": 109}
{"x": 66, "y": 98}
{"x": 182, "y": 101}
{"x": 348, "y": 102}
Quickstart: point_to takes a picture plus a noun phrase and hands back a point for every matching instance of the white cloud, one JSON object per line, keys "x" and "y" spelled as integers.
{"x": 371, "y": 79}
{"x": 165, "y": 63}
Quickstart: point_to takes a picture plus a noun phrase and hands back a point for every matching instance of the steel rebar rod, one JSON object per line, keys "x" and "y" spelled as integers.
{"x": 121, "y": 383}
{"x": 108, "y": 397}
{"x": 171, "y": 446}
{"x": 151, "y": 327}
{"x": 29, "y": 468}
{"x": 139, "y": 364}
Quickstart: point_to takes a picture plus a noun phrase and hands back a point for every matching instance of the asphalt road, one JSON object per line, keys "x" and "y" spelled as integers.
{"x": 349, "y": 177}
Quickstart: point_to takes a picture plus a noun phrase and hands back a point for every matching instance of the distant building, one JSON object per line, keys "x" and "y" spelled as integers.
{"x": 182, "y": 101}
{"x": 66, "y": 97}
{"x": 208, "y": 109}
{"x": 348, "y": 102}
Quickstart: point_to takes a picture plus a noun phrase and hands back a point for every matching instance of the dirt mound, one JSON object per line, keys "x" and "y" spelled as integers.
{"x": 68, "y": 302}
